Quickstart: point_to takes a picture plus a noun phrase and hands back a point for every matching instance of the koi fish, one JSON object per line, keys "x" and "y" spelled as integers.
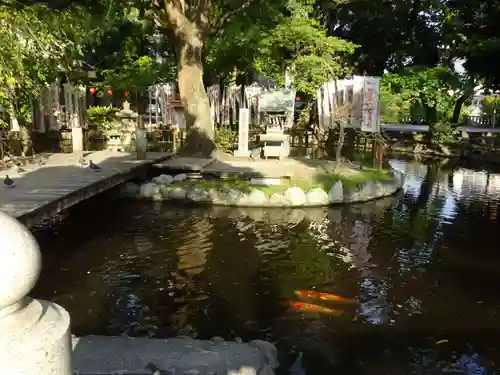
{"x": 312, "y": 294}
{"x": 310, "y": 307}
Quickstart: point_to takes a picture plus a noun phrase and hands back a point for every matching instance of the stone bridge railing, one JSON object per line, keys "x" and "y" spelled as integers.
{"x": 35, "y": 336}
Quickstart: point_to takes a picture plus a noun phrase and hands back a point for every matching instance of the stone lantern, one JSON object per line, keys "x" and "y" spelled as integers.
{"x": 35, "y": 337}
{"x": 130, "y": 128}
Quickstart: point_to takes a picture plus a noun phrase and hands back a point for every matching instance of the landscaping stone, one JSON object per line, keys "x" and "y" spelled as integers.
{"x": 161, "y": 188}
{"x": 163, "y": 179}
{"x": 257, "y": 198}
{"x": 177, "y": 193}
{"x": 198, "y": 195}
{"x": 180, "y": 355}
{"x": 336, "y": 193}
{"x": 317, "y": 197}
{"x": 180, "y": 177}
{"x": 278, "y": 200}
{"x": 295, "y": 196}
{"x": 149, "y": 189}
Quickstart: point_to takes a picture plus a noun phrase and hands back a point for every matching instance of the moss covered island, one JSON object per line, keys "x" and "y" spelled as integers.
{"x": 350, "y": 179}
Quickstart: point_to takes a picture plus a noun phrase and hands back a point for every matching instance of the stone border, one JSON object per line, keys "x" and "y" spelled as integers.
{"x": 160, "y": 189}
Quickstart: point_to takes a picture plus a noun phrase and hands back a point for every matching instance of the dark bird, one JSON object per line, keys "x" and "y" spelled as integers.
{"x": 155, "y": 370}
{"x": 94, "y": 167}
{"x": 9, "y": 182}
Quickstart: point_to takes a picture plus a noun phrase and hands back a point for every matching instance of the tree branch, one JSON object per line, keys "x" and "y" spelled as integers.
{"x": 228, "y": 17}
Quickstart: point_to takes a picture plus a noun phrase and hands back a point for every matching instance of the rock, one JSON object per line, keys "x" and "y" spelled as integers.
{"x": 165, "y": 191}
{"x": 268, "y": 350}
{"x": 317, "y": 197}
{"x": 177, "y": 193}
{"x": 180, "y": 177}
{"x": 278, "y": 200}
{"x": 381, "y": 189}
{"x": 198, "y": 195}
{"x": 130, "y": 189}
{"x": 149, "y": 189}
{"x": 368, "y": 191}
{"x": 336, "y": 193}
{"x": 233, "y": 196}
{"x": 163, "y": 179}
{"x": 158, "y": 196}
{"x": 257, "y": 198}
{"x": 316, "y": 214}
{"x": 296, "y": 216}
{"x": 295, "y": 196}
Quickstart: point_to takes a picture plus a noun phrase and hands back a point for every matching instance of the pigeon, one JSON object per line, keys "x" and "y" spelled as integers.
{"x": 20, "y": 169}
{"x": 155, "y": 370}
{"x": 8, "y": 182}
{"x": 297, "y": 368}
{"x": 94, "y": 167}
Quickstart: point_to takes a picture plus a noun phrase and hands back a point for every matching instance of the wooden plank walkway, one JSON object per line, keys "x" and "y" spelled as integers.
{"x": 45, "y": 190}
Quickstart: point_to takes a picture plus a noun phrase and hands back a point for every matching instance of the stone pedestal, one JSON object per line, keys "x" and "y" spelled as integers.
{"x": 77, "y": 140}
{"x": 35, "y": 335}
{"x": 244, "y": 121}
{"x": 141, "y": 142}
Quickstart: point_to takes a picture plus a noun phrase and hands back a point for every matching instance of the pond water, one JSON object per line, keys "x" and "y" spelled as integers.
{"x": 424, "y": 266}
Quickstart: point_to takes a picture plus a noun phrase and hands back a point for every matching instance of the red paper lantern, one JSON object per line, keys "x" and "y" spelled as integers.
{"x": 92, "y": 90}
{"x": 126, "y": 93}
{"x": 297, "y": 99}
{"x": 110, "y": 92}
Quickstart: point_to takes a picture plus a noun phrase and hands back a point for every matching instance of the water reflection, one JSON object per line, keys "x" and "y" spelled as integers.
{"x": 423, "y": 266}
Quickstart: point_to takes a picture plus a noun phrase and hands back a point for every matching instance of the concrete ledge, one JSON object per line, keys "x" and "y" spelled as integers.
{"x": 164, "y": 188}
{"x": 101, "y": 355}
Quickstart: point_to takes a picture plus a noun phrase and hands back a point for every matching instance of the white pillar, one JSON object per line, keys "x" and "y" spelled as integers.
{"x": 35, "y": 336}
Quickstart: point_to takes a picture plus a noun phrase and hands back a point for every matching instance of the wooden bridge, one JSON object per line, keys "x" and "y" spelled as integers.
{"x": 45, "y": 190}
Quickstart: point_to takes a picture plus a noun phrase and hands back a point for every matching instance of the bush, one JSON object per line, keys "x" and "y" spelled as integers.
{"x": 224, "y": 138}
{"x": 102, "y": 117}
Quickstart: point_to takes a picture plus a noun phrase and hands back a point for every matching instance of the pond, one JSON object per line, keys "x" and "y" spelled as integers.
{"x": 424, "y": 267}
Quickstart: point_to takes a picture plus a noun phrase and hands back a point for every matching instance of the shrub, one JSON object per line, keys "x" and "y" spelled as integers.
{"x": 224, "y": 138}
{"x": 102, "y": 117}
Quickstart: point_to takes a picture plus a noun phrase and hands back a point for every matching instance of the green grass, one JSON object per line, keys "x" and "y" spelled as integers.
{"x": 324, "y": 181}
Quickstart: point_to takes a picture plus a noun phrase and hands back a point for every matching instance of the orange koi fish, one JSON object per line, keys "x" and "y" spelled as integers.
{"x": 309, "y": 307}
{"x": 312, "y": 294}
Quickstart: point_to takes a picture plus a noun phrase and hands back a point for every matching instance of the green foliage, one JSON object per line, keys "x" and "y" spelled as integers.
{"x": 102, "y": 117}
{"x": 300, "y": 42}
{"x": 224, "y": 138}
{"x": 424, "y": 87}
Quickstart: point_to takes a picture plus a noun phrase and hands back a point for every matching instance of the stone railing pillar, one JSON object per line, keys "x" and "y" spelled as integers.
{"x": 35, "y": 337}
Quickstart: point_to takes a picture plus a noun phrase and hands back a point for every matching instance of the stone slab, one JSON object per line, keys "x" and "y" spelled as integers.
{"x": 184, "y": 163}
{"x": 99, "y": 355}
{"x": 62, "y": 182}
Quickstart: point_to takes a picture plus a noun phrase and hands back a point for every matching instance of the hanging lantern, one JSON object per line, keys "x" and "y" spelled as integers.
{"x": 126, "y": 94}
{"x": 297, "y": 99}
{"x": 110, "y": 92}
{"x": 92, "y": 90}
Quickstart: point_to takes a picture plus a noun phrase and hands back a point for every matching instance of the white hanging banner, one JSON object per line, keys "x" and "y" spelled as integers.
{"x": 370, "y": 105}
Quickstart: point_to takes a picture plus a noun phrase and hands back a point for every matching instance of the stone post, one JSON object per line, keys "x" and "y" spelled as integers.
{"x": 141, "y": 140}
{"x": 35, "y": 337}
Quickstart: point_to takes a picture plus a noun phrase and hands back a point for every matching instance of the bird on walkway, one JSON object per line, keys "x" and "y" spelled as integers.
{"x": 8, "y": 182}
{"x": 155, "y": 370}
{"x": 94, "y": 167}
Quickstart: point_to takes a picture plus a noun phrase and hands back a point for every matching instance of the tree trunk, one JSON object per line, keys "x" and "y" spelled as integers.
{"x": 458, "y": 108}
{"x": 200, "y": 137}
